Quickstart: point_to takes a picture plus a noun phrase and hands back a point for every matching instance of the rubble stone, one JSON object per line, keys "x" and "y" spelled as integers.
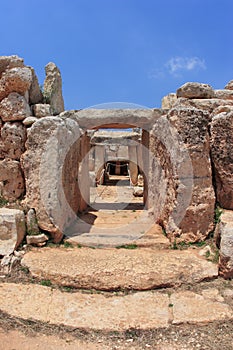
{"x": 12, "y": 230}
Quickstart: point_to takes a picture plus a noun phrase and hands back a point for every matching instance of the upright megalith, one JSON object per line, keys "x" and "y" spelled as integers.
{"x": 53, "y": 88}
{"x": 181, "y": 174}
{"x": 222, "y": 155}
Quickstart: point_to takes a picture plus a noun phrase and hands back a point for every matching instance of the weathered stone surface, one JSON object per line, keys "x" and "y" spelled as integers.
{"x": 105, "y": 269}
{"x": 181, "y": 176}
{"x": 38, "y": 240}
{"x": 32, "y": 225}
{"x": 223, "y": 94}
{"x": 52, "y": 143}
{"x": 29, "y": 121}
{"x": 14, "y": 107}
{"x": 169, "y": 100}
{"x": 222, "y": 156}
{"x": 204, "y": 104}
{"x": 193, "y": 308}
{"x": 15, "y": 80}
{"x": 41, "y": 110}
{"x": 12, "y": 230}
{"x": 114, "y": 118}
{"x": 139, "y": 310}
{"x": 145, "y": 310}
{"x": 138, "y": 191}
{"x": 12, "y": 140}
{"x": 53, "y": 88}
{"x": 35, "y": 94}
{"x": 229, "y": 85}
{"x": 195, "y": 90}
{"x": 225, "y": 231}
{"x": 8, "y": 62}
{"x": 13, "y": 182}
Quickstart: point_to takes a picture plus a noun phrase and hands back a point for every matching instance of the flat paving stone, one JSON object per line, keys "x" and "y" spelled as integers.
{"x": 189, "y": 307}
{"x": 142, "y": 310}
{"x": 114, "y": 269}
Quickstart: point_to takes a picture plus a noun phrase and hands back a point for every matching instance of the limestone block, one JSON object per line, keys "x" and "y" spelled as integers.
{"x": 49, "y": 141}
{"x": 29, "y": 121}
{"x": 195, "y": 90}
{"x": 168, "y": 101}
{"x": 180, "y": 180}
{"x": 208, "y": 105}
{"x": 12, "y": 230}
{"x": 12, "y": 140}
{"x": 229, "y": 85}
{"x": 222, "y": 157}
{"x": 35, "y": 94}
{"x": 38, "y": 240}
{"x": 41, "y": 110}
{"x": 13, "y": 182}
{"x": 14, "y": 107}
{"x": 15, "y": 80}
{"x": 8, "y": 62}
{"x": 53, "y": 88}
{"x": 223, "y": 94}
{"x": 225, "y": 231}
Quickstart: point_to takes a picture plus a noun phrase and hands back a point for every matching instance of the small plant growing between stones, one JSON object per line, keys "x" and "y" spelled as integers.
{"x": 127, "y": 246}
{"x": 3, "y": 202}
{"x": 46, "y": 283}
{"x": 217, "y": 214}
{"x": 68, "y": 244}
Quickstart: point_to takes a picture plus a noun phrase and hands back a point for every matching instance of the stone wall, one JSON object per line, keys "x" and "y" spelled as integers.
{"x": 186, "y": 152}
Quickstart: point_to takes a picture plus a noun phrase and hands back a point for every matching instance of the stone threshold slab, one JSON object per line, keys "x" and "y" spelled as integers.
{"x": 119, "y": 269}
{"x": 142, "y": 310}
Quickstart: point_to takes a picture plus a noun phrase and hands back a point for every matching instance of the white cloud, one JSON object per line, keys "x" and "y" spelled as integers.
{"x": 177, "y": 65}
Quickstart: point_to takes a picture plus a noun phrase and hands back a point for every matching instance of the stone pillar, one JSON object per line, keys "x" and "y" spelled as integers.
{"x": 118, "y": 168}
{"x": 99, "y": 162}
{"x": 139, "y": 156}
{"x": 84, "y": 181}
{"x": 133, "y": 166}
{"x": 145, "y": 166}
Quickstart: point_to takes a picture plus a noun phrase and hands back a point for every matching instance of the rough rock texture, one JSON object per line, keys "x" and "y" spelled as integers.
{"x": 193, "y": 308}
{"x": 37, "y": 240}
{"x": 35, "y": 94}
{"x": 222, "y": 157}
{"x": 41, "y": 110}
{"x": 15, "y": 80}
{"x": 145, "y": 310}
{"x": 12, "y": 230}
{"x": 229, "y": 85}
{"x": 14, "y": 107}
{"x": 225, "y": 231}
{"x": 181, "y": 176}
{"x": 12, "y": 140}
{"x": 223, "y": 94}
{"x": 8, "y": 62}
{"x": 195, "y": 90}
{"x": 52, "y": 141}
{"x": 169, "y": 100}
{"x": 105, "y": 269}
{"x": 29, "y": 121}
{"x": 13, "y": 182}
{"x": 208, "y": 105}
{"x": 53, "y": 88}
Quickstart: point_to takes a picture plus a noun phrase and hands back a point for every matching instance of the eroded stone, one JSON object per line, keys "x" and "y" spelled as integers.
{"x": 14, "y": 107}
{"x": 12, "y": 229}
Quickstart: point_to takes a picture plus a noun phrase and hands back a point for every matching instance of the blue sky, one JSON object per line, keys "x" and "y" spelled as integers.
{"x": 132, "y": 51}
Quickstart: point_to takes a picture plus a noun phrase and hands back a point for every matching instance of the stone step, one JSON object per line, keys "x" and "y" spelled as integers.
{"x": 141, "y": 310}
{"x": 119, "y": 269}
